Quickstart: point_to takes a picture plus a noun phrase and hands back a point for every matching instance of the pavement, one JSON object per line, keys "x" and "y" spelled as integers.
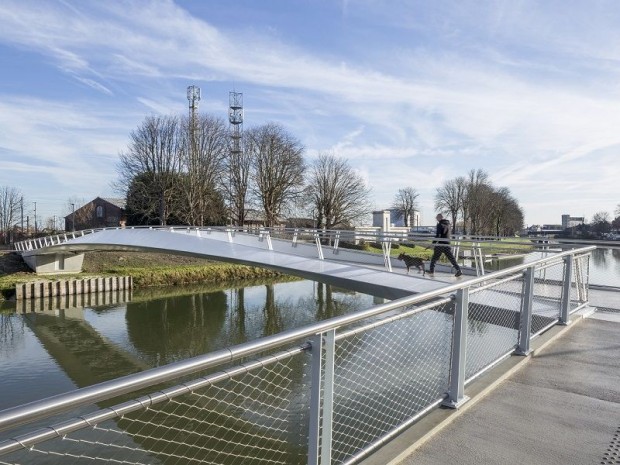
{"x": 560, "y": 405}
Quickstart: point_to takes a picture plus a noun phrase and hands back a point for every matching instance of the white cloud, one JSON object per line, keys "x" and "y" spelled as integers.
{"x": 460, "y": 86}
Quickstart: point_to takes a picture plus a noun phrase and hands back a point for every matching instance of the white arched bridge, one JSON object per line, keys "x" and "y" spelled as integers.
{"x": 302, "y": 253}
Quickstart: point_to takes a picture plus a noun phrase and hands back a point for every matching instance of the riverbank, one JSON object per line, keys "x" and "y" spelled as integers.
{"x": 146, "y": 269}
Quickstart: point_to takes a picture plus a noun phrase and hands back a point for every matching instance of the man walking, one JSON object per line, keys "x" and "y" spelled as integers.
{"x": 442, "y": 236}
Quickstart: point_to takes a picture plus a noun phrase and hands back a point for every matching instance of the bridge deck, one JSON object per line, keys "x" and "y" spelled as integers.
{"x": 563, "y": 407}
{"x": 345, "y": 268}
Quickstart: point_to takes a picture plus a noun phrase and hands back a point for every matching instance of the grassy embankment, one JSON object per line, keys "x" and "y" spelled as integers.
{"x": 147, "y": 269}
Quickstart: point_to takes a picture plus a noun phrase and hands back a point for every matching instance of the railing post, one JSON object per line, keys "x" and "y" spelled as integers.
{"x": 336, "y": 242}
{"x": 317, "y": 238}
{"x": 320, "y": 438}
{"x": 568, "y": 278}
{"x": 525, "y": 325}
{"x": 295, "y": 233}
{"x": 456, "y": 391}
{"x": 386, "y": 245}
{"x": 328, "y": 397}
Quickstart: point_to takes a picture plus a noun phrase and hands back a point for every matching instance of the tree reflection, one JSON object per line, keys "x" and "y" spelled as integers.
{"x": 176, "y": 328}
{"x": 11, "y": 332}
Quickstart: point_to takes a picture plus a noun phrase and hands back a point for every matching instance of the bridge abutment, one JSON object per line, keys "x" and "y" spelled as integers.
{"x": 60, "y": 263}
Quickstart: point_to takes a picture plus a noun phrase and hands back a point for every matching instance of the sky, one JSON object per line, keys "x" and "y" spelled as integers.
{"x": 412, "y": 93}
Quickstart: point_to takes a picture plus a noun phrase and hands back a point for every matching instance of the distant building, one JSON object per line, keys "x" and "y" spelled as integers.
{"x": 572, "y": 221}
{"x": 98, "y": 213}
{"x": 388, "y": 219}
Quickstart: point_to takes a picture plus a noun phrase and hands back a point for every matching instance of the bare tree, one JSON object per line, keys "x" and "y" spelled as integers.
{"x": 205, "y": 147}
{"x": 278, "y": 168}
{"x": 506, "y": 214}
{"x": 406, "y": 204}
{"x": 236, "y": 181}
{"x": 10, "y": 209}
{"x": 151, "y": 166}
{"x": 338, "y": 195}
{"x": 450, "y": 197}
{"x": 477, "y": 201}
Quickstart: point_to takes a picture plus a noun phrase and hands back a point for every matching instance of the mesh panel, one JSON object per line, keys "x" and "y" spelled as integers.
{"x": 493, "y": 324}
{"x": 258, "y": 417}
{"x": 386, "y": 375}
{"x": 547, "y": 296}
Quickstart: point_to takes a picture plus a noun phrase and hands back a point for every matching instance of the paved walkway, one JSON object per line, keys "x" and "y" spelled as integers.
{"x": 562, "y": 407}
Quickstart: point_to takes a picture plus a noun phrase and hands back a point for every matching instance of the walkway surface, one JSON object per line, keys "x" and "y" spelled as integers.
{"x": 562, "y": 407}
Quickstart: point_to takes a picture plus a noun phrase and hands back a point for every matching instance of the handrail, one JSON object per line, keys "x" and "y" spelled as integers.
{"x": 424, "y": 239}
{"x": 33, "y": 411}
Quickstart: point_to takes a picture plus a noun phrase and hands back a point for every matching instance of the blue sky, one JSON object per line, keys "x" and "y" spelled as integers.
{"x": 412, "y": 93}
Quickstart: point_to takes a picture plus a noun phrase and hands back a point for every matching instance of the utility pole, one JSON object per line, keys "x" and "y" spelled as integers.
{"x": 22, "y": 211}
{"x": 35, "y": 218}
{"x": 73, "y": 217}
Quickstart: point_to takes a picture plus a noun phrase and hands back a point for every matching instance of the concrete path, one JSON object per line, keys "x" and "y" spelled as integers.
{"x": 562, "y": 407}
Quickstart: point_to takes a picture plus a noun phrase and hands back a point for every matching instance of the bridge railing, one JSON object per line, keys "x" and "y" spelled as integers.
{"x": 329, "y": 244}
{"x": 328, "y": 393}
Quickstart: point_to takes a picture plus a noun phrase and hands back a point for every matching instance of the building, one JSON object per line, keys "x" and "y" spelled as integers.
{"x": 572, "y": 221}
{"x": 388, "y": 219}
{"x": 98, "y": 213}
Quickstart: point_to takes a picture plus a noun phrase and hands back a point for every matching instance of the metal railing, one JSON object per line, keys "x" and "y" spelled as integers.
{"x": 328, "y": 393}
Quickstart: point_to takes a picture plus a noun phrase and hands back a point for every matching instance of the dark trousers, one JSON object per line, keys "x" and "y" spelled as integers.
{"x": 447, "y": 251}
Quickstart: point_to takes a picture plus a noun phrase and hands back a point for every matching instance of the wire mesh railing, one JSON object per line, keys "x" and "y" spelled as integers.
{"x": 329, "y": 393}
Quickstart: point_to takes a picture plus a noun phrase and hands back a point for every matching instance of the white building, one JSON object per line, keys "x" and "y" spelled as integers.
{"x": 572, "y": 221}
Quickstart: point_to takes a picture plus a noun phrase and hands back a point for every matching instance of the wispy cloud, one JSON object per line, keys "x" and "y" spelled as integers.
{"x": 436, "y": 89}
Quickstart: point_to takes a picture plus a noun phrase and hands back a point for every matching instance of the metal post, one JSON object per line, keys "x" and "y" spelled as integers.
{"x": 336, "y": 242}
{"x": 328, "y": 397}
{"x": 525, "y": 325}
{"x": 317, "y": 239}
{"x": 295, "y": 233}
{"x": 315, "y": 400}
{"x": 386, "y": 246}
{"x": 456, "y": 391}
{"x": 568, "y": 278}
{"x": 73, "y": 217}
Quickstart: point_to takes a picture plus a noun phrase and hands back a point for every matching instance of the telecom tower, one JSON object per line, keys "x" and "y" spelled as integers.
{"x": 193, "y": 95}
{"x": 235, "y": 119}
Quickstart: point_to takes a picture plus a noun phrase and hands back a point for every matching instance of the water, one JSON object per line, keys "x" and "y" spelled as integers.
{"x": 405, "y": 362}
{"x": 46, "y": 353}
{"x": 604, "y": 265}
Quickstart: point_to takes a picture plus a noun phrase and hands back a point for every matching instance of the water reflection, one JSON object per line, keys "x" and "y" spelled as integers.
{"x": 79, "y": 346}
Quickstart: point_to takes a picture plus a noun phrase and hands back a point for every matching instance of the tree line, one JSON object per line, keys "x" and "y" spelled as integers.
{"x": 475, "y": 206}
{"x": 181, "y": 170}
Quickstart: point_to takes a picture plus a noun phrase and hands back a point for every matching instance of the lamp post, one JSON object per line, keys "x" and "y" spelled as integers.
{"x": 73, "y": 217}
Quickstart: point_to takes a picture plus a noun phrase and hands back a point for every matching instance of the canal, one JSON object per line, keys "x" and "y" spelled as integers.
{"x": 54, "y": 351}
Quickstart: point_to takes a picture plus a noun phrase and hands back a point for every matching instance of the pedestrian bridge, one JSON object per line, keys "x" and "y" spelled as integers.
{"x": 302, "y": 254}
{"x": 330, "y": 393}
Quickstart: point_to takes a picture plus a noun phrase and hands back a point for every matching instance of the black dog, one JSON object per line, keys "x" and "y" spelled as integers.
{"x": 413, "y": 261}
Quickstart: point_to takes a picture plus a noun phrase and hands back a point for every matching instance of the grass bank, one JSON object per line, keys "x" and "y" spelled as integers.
{"x": 147, "y": 270}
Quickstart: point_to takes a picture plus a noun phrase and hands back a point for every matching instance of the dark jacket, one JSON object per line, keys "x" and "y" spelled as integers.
{"x": 442, "y": 232}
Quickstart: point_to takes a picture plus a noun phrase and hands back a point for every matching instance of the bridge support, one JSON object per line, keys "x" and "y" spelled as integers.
{"x": 60, "y": 263}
